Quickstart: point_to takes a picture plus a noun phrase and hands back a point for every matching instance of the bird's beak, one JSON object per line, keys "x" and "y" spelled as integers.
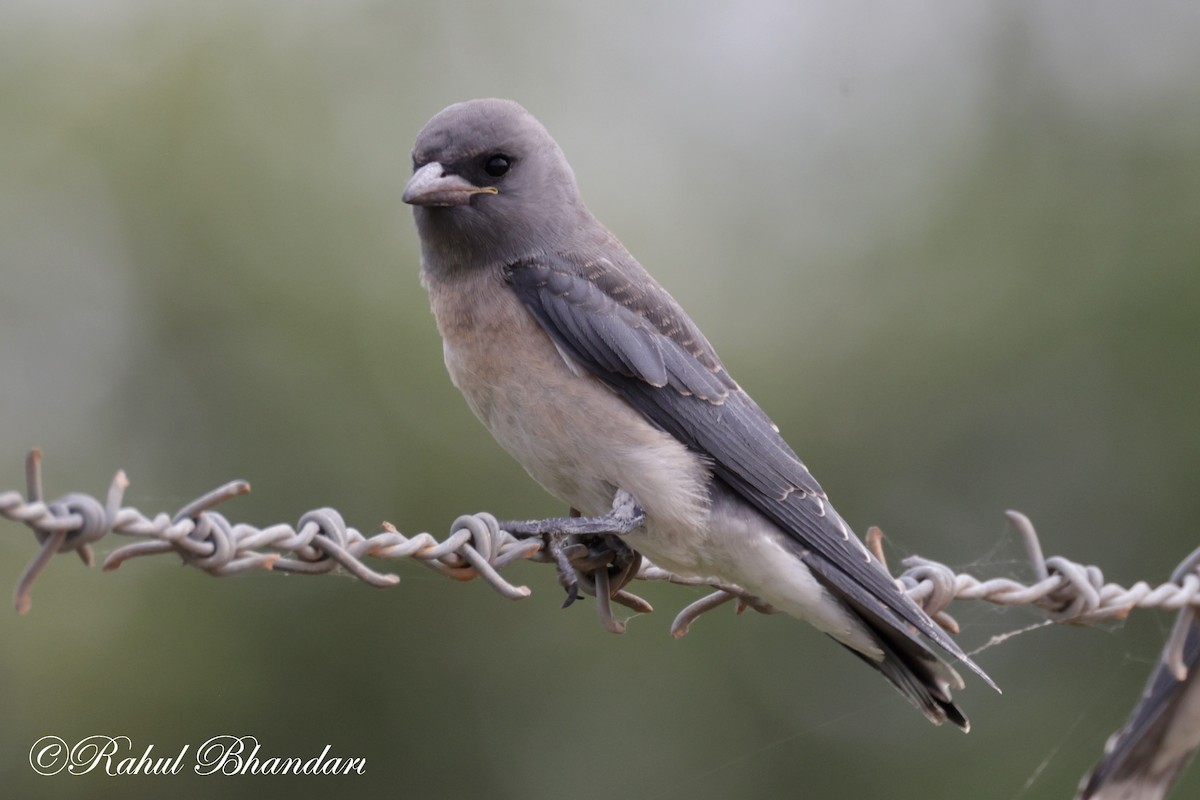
{"x": 431, "y": 186}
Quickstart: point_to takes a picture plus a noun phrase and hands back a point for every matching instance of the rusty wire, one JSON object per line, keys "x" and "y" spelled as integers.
{"x": 321, "y": 542}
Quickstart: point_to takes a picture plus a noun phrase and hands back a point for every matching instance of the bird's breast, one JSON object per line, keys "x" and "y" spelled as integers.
{"x": 572, "y": 433}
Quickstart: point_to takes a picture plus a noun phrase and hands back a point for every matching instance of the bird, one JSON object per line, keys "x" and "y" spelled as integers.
{"x": 596, "y": 381}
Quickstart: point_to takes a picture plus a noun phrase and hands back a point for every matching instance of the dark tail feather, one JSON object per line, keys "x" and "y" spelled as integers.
{"x": 912, "y": 675}
{"x": 920, "y": 675}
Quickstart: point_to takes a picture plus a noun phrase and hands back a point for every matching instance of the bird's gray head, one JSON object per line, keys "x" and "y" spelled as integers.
{"x": 489, "y": 185}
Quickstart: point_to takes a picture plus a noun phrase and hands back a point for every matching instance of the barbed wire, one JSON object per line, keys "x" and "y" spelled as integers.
{"x": 479, "y": 547}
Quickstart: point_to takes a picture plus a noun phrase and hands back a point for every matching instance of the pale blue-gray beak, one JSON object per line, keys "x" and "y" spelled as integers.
{"x": 432, "y": 186}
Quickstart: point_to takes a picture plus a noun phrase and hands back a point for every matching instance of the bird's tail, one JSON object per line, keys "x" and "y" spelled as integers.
{"x": 920, "y": 675}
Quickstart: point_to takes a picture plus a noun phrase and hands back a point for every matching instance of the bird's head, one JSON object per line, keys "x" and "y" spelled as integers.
{"x": 489, "y": 185}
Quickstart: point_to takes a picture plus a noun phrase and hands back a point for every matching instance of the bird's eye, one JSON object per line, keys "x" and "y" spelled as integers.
{"x": 497, "y": 165}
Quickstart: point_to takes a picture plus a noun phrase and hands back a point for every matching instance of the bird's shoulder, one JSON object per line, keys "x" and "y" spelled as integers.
{"x": 611, "y": 291}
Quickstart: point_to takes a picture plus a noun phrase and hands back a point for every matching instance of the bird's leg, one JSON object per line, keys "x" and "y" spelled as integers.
{"x": 583, "y": 546}
{"x": 626, "y": 515}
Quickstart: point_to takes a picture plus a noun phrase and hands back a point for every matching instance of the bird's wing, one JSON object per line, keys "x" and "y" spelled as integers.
{"x": 634, "y": 337}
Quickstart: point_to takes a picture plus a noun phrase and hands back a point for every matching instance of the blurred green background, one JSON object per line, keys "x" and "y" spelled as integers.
{"x": 952, "y": 248}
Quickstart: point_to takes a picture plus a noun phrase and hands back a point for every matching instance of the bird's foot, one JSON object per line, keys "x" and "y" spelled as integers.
{"x": 591, "y": 557}
{"x": 600, "y": 565}
{"x": 596, "y": 564}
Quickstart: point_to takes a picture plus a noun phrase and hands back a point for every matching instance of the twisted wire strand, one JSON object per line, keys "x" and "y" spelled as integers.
{"x": 477, "y": 547}
{"x": 319, "y": 543}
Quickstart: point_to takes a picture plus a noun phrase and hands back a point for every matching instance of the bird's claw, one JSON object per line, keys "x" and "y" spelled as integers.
{"x": 591, "y": 557}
